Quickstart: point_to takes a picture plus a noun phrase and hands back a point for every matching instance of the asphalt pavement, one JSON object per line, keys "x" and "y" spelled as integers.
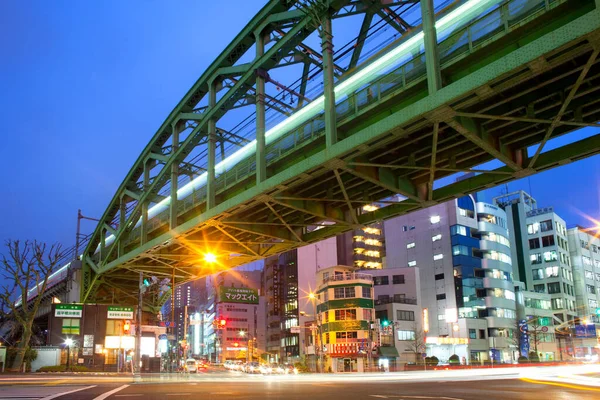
{"x": 509, "y": 384}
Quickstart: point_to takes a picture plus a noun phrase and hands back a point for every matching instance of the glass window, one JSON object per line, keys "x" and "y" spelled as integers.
{"x": 539, "y": 288}
{"x": 412, "y": 263}
{"x": 550, "y": 256}
{"x": 367, "y": 314}
{"x": 534, "y": 243}
{"x": 554, "y": 287}
{"x": 366, "y": 292}
{"x": 397, "y": 279}
{"x": 458, "y": 230}
{"x": 436, "y": 237}
{"x": 536, "y": 258}
{"x": 552, "y": 272}
{"x": 440, "y": 296}
{"x": 381, "y": 280}
{"x": 592, "y": 303}
{"x": 406, "y": 335}
{"x": 460, "y": 250}
{"x": 591, "y": 289}
{"x": 589, "y": 275}
{"x": 343, "y": 315}
{"x": 434, "y": 219}
{"x": 548, "y": 240}
{"x": 586, "y": 260}
{"x": 534, "y": 228}
{"x": 546, "y": 226}
{"x": 410, "y": 245}
{"x": 438, "y": 257}
{"x": 538, "y": 273}
{"x": 343, "y": 292}
{"x": 557, "y": 304}
{"x": 439, "y": 277}
{"x": 70, "y": 326}
{"x": 472, "y": 334}
{"x": 405, "y": 315}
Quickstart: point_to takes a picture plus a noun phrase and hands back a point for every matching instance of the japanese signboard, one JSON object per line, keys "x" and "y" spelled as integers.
{"x": 238, "y": 295}
{"x": 120, "y": 313}
{"x": 68, "y": 310}
{"x": 585, "y": 331}
{"x": 88, "y": 340}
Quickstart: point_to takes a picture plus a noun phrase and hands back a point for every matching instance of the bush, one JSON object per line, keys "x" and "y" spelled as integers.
{"x": 533, "y": 357}
{"x": 523, "y": 360}
{"x": 63, "y": 368}
{"x": 432, "y": 361}
{"x": 454, "y": 359}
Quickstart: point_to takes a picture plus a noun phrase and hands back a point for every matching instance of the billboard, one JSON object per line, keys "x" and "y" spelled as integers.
{"x": 238, "y": 295}
{"x": 585, "y": 331}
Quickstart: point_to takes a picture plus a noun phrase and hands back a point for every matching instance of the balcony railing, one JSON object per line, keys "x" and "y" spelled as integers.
{"x": 349, "y": 276}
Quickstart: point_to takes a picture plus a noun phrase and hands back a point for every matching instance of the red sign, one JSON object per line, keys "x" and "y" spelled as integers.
{"x": 343, "y": 349}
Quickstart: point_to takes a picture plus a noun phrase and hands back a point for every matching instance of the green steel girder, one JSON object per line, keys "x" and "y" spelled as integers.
{"x": 392, "y": 125}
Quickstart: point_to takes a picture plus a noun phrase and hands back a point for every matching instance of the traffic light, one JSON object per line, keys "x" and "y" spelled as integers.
{"x": 385, "y": 322}
{"x": 147, "y": 282}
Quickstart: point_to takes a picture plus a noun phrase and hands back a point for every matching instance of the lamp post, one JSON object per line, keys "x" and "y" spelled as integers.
{"x": 243, "y": 334}
{"x": 68, "y": 343}
{"x": 318, "y": 345}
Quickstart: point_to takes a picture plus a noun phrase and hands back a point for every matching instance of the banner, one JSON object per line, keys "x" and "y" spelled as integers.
{"x": 68, "y": 310}
{"x": 238, "y": 295}
{"x": 524, "y": 340}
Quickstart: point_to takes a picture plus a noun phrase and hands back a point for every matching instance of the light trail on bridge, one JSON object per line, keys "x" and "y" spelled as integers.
{"x": 449, "y": 22}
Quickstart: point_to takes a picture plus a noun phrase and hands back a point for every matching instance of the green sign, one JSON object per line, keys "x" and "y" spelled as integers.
{"x": 68, "y": 310}
{"x": 120, "y": 313}
{"x": 238, "y": 295}
{"x": 597, "y": 311}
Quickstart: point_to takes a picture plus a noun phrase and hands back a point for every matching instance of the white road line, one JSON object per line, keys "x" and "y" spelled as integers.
{"x": 178, "y": 394}
{"x": 129, "y": 395}
{"x": 53, "y": 396}
{"x": 105, "y": 395}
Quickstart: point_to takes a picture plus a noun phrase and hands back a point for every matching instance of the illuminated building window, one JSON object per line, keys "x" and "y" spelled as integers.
{"x": 412, "y": 263}
{"x": 438, "y": 257}
{"x": 410, "y": 245}
{"x": 370, "y": 207}
{"x": 436, "y": 237}
{"x": 372, "y": 231}
{"x": 434, "y": 219}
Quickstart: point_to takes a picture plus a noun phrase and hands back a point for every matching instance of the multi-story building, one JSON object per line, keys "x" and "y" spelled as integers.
{"x": 584, "y": 249}
{"x": 344, "y": 304}
{"x": 462, "y": 250}
{"x": 542, "y": 251}
{"x": 397, "y": 309}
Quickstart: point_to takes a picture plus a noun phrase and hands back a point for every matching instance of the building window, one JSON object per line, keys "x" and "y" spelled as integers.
{"x": 557, "y": 304}
{"x": 460, "y": 250}
{"x": 554, "y": 287}
{"x": 343, "y": 315}
{"x": 434, "y": 219}
{"x": 381, "y": 280}
{"x": 366, "y": 292}
{"x": 327, "y": 338}
{"x": 534, "y": 243}
{"x": 439, "y": 277}
{"x": 539, "y": 288}
{"x": 586, "y": 261}
{"x": 550, "y": 256}
{"x": 537, "y": 274}
{"x": 548, "y": 240}
{"x": 482, "y": 334}
{"x": 406, "y": 335}
{"x": 343, "y": 293}
{"x": 70, "y": 326}
{"x": 552, "y": 272}
{"x": 546, "y": 226}
{"x": 534, "y": 228}
{"x": 410, "y": 245}
{"x": 367, "y": 314}
{"x": 436, "y": 237}
{"x": 397, "y": 279}
{"x": 458, "y": 230}
{"x": 536, "y": 258}
{"x": 591, "y": 289}
{"x": 472, "y": 334}
{"x": 342, "y": 337}
{"x": 440, "y": 296}
{"x": 438, "y": 257}
{"x": 405, "y": 315}
{"x": 412, "y": 263}
{"x": 592, "y": 303}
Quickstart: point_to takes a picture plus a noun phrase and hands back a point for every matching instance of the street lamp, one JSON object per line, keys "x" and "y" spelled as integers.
{"x": 210, "y": 258}
{"x": 68, "y": 343}
{"x": 319, "y": 350}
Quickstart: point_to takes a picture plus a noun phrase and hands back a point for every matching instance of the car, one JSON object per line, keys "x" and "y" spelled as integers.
{"x": 191, "y": 365}
{"x": 252, "y": 367}
{"x": 277, "y": 369}
{"x": 265, "y": 369}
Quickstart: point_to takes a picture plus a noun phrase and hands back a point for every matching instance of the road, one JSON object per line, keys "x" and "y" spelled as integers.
{"x": 441, "y": 385}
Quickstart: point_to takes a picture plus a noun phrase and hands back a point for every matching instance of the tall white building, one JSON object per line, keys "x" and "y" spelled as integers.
{"x": 585, "y": 256}
{"x": 462, "y": 250}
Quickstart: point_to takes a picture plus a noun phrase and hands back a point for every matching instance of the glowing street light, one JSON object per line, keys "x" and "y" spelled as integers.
{"x": 242, "y": 333}
{"x": 312, "y": 296}
{"x": 68, "y": 343}
{"x": 210, "y": 258}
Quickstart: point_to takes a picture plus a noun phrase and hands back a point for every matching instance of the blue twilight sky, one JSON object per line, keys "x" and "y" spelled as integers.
{"x": 85, "y": 84}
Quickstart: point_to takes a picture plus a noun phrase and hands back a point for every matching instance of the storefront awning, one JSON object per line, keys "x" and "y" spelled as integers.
{"x": 388, "y": 352}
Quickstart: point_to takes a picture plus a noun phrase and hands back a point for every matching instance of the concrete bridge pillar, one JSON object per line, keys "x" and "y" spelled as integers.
{"x": 432, "y": 59}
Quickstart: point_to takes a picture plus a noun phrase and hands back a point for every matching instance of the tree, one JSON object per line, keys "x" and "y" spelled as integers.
{"x": 25, "y": 266}
{"x": 535, "y": 331}
{"x": 417, "y": 344}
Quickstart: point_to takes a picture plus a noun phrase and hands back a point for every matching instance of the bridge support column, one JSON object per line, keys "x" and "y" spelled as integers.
{"x": 212, "y": 141}
{"x": 174, "y": 177}
{"x": 328, "y": 82}
{"x": 122, "y": 219}
{"x": 432, "y": 59}
{"x": 261, "y": 159}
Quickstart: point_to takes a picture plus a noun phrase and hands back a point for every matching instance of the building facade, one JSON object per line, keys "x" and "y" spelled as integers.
{"x": 584, "y": 249}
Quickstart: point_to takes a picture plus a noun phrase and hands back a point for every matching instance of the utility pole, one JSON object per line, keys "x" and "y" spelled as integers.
{"x": 185, "y": 323}
{"x": 138, "y": 342}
